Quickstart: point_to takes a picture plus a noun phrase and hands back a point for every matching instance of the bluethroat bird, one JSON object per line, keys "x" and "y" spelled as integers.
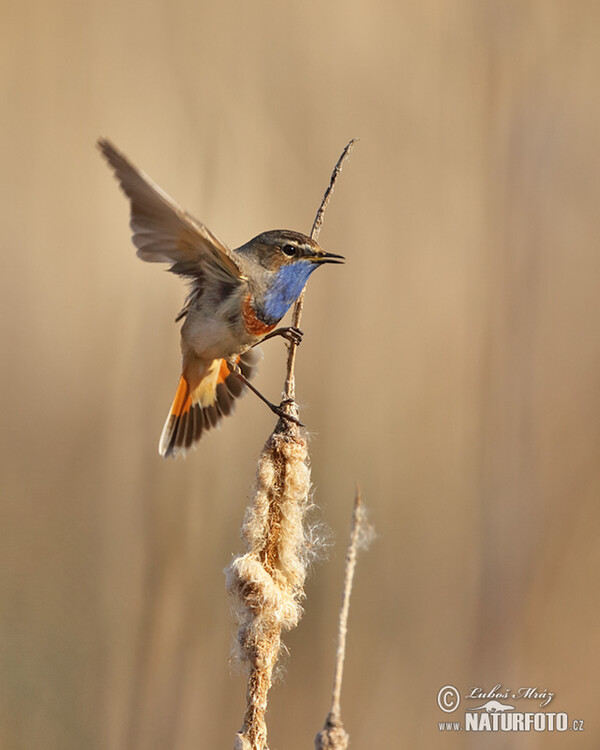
{"x": 236, "y": 299}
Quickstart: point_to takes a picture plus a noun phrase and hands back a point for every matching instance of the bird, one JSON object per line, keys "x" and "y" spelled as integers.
{"x": 236, "y": 299}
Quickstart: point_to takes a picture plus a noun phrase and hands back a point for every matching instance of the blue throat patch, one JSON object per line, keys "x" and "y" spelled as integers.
{"x": 285, "y": 289}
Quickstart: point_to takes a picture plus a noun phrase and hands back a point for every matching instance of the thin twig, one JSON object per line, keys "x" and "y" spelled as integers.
{"x": 289, "y": 390}
{"x": 333, "y": 736}
{"x": 343, "y": 623}
{"x": 318, "y": 222}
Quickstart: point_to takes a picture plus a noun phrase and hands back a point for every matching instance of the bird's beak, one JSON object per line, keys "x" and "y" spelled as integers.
{"x": 327, "y": 258}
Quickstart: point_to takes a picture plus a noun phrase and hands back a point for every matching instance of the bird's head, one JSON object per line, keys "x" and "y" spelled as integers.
{"x": 282, "y": 247}
{"x": 283, "y": 261}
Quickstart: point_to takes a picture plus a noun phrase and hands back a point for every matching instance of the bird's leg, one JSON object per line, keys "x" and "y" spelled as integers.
{"x": 233, "y": 366}
{"x": 290, "y": 333}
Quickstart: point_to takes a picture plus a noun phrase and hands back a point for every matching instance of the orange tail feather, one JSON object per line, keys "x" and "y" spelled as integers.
{"x": 197, "y": 410}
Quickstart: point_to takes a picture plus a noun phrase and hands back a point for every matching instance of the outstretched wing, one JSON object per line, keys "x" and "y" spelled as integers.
{"x": 163, "y": 232}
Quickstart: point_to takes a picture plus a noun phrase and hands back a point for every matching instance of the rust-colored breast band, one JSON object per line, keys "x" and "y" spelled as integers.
{"x": 253, "y": 325}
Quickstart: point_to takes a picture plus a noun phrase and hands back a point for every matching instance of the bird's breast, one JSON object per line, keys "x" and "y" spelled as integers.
{"x": 253, "y": 324}
{"x": 225, "y": 329}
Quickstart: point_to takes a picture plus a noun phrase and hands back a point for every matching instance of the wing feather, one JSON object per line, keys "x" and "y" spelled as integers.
{"x": 162, "y": 231}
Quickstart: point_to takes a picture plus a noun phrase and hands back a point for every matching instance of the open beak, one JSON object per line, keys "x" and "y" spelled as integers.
{"x": 327, "y": 258}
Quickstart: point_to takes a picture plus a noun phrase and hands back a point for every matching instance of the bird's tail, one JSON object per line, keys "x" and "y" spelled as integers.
{"x": 195, "y": 410}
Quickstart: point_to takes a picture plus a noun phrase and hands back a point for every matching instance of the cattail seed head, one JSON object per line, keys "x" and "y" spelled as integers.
{"x": 267, "y": 582}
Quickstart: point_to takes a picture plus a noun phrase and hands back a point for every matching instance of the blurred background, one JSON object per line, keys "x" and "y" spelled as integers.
{"x": 452, "y": 366}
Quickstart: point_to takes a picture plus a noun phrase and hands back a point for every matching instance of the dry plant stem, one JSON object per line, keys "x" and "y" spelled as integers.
{"x": 267, "y": 582}
{"x": 289, "y": 390}
{"x": 333, "y": 736}
{"x": 343, "y": 623}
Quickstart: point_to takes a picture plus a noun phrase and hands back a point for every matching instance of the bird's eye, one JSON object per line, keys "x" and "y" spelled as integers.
{"x": 289, "y": 250}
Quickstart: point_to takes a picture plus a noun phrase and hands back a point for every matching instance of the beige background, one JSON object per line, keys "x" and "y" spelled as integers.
{"x": 452, "y": 366}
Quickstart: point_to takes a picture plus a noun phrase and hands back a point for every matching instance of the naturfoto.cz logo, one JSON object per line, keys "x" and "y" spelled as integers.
{"x": 495, "y": 715}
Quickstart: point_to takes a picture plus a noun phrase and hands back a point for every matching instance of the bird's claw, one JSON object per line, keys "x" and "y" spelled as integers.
{"x": 292, "y": 334}
{"x": 289, "y": 333}
{"x": 282, "y": 413}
